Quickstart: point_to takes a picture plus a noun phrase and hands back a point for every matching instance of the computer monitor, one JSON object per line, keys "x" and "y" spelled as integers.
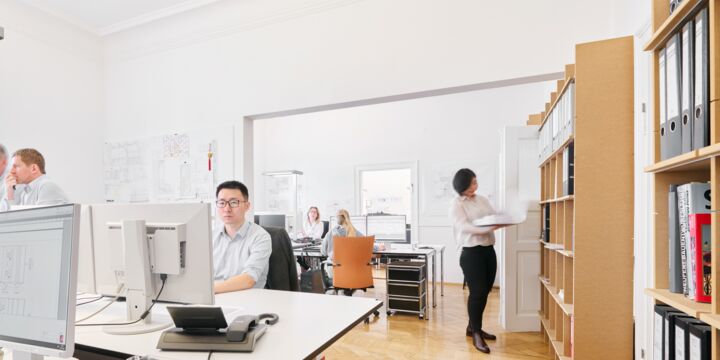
{"x": 358, "y": 221}
{"x": 135, "y": 243}
{"x": 274, "y": 220}
{"x": 390, "y": 228}
{"x": 38, "y": 274}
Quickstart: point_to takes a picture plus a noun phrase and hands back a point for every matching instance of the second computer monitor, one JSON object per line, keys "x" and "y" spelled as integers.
{"x": 192, "y": 283}
{"x": 272, "y": 220}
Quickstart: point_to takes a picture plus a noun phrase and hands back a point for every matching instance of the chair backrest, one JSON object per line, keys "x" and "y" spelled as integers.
{"x": 282, "y": 273}
{"x": 326, "y": 228}
{"x": 353, "y": 255}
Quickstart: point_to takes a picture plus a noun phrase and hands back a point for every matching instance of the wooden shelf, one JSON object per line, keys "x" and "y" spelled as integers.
{"x": 603, "y": 140}
{"x": 711, "y": 319}
{"x": 560, "y": 148}
{"x": 685, "y": 162}
{"x": 567, "y": 308}
{"x": 567, "y": 253}
{"x": 672, "y": 23}
{"x": 679, "y": 301}
{"x": 560, "y": 199}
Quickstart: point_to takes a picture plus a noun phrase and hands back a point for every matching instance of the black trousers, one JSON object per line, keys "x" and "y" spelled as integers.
{"x": 479, "y": 265}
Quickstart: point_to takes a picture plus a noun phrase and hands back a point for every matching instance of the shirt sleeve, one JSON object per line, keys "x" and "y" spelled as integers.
{"x": 462, "y": 223}
{"x": 51, "y": 194}
{"x": 326, "y": 247}
{"x": 259, "y": 258}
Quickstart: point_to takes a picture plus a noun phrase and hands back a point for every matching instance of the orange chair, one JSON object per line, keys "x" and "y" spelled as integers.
{"x": 352, "y": 266}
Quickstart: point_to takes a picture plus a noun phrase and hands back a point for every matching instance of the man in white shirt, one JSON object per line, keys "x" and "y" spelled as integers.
{"x": 241, "y": 249}
{"x": 28, "y": 169}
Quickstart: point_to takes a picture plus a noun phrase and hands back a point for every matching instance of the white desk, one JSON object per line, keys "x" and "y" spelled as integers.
{"x": 309, "y": 323}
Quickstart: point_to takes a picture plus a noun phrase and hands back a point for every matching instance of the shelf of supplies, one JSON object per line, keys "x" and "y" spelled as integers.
{"x": 567, "y": 253}
{"x": 559, "y": 95}
{"x": 711, "y": 319}
{"x": 558, "y": 346}
{"x": 679, "y": 301}
{"x": 672, "y": 23}
{"x": 560, "y": 199}
{"x": 558, "y": 150}
{"x": 567, "y": 308}
{"x": 686, "y": 162}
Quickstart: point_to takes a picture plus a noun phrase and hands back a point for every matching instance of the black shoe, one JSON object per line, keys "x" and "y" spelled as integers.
{"x": 488, "y": 336}
{"x": 468, "y": 331}
{"x": 479, "y": 342}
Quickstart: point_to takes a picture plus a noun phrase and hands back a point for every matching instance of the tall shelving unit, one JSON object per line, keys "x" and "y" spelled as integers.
{"x": 589, "y": 253}
{"x": 697, "y": 165}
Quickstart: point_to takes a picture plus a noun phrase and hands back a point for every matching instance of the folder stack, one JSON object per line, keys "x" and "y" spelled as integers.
{"x": 684, "y": 93}
{"x": 558, "y": 127}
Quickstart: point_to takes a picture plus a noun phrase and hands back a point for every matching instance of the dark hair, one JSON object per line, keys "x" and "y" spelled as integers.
{"x": 462, "y": 180}
{"x": 236, "y": 185}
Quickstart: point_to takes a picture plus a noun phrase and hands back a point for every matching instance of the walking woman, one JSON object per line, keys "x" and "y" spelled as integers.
{"x": 477, "y": 260}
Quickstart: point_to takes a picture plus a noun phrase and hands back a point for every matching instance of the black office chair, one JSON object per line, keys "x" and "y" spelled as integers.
{"x": 282, "y": 273}
{"x": 326, "y": 228}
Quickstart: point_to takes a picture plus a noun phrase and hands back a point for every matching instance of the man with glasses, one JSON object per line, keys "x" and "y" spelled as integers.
{"x": 241, "y": 249}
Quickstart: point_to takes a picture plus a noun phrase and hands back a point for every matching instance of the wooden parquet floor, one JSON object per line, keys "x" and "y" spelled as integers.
{"x": 405, "y": 336}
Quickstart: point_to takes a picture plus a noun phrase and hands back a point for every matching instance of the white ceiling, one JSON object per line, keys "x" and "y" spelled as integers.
{"x": 107, "y": 16}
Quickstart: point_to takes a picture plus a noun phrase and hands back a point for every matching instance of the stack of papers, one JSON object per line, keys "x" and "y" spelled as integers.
{"x": 498, "y": 219}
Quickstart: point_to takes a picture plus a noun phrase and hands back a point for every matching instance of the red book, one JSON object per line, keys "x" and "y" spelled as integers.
{"x": 700, "y": 251}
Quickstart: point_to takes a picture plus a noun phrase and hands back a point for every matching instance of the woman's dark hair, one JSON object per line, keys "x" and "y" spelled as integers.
{"x": 235, "y": 185}
{"x": 462, "y": 180}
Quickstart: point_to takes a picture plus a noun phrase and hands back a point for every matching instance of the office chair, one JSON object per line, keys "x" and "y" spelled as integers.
{"x": 352, "y": 266}
{"x": 326, "y": 228}
{"x": 282, "y": 273}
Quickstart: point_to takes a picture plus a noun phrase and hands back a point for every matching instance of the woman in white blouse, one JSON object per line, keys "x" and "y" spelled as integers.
{"x": 313, "y": 227}
{"x": 477, "y": 260}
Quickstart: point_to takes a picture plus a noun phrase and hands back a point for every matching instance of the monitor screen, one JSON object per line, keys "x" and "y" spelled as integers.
{"x": 358, "y": 221}
{"x": 274, "y": 220}
{"x": 387, "y": 227}
{"x": 38, "y": 274}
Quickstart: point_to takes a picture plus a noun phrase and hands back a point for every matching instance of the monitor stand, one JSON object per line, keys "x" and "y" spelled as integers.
{"x": 24, "y": 355}
{"x": 138, "y": 281}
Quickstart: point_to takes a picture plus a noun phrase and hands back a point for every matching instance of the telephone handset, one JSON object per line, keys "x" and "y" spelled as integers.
{"x": 238, "y": 330}
{"x": 205, "y": 329}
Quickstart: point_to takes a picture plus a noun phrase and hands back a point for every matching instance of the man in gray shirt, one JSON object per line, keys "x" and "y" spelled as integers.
{"x": 28, "y": 169}
{"x": 241, "y": 249}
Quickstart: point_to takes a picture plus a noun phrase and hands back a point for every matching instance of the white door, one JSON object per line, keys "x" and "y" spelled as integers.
{"x": 518, "y": 250}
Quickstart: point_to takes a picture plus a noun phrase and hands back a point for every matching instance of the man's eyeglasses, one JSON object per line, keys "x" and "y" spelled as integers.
{"x": 233, "y": 203}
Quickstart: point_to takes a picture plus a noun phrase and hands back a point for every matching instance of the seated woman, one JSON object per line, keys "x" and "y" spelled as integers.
{"x": 313, "y": 227}
{"x": 344, "y": 228}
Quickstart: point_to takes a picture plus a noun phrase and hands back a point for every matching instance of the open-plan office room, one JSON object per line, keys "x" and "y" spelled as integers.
{"x": 339, "y": 179}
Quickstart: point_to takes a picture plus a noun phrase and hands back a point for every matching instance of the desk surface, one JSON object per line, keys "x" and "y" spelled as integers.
{"x": 309, "y": 323}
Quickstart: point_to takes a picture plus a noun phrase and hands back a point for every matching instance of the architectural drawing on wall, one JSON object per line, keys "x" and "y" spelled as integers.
{"x": 171, "y": 167}
{"x": 12, "y": 306}
{"x": 438, "y": 189}
{"x": 126, "y": 171}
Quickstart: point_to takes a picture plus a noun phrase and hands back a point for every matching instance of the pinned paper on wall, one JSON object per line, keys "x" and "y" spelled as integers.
{"x": 437, "y": 185}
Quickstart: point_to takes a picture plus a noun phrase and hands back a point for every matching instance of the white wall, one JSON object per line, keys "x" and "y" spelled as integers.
{"x": 221, "y": 62}
{"x": 460, "y": 128}
{"x": 50, "y": 97}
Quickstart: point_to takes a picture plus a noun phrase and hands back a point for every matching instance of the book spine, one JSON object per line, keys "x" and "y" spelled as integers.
{"x": 683, "y": 217}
